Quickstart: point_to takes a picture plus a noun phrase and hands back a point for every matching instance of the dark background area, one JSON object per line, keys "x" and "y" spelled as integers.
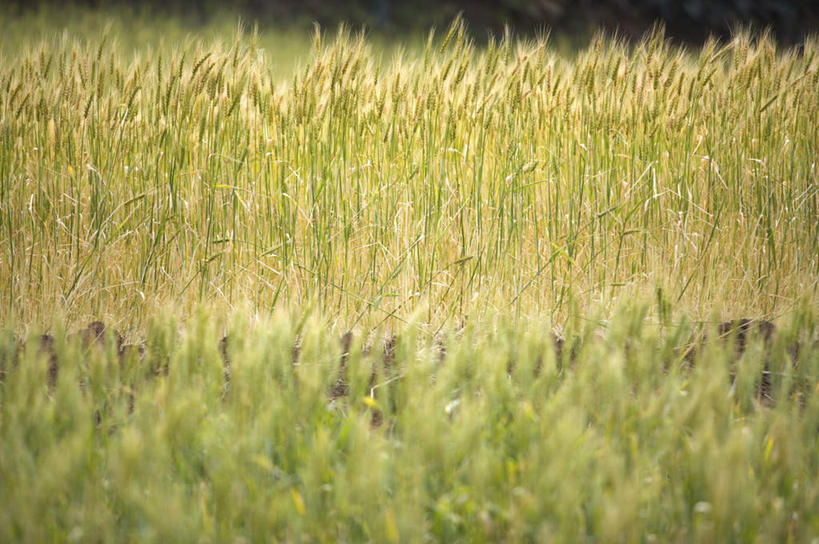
{"x": 689, "y": 21}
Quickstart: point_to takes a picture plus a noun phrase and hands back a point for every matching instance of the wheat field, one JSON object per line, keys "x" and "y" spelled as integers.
{"x": 533, "y": 251}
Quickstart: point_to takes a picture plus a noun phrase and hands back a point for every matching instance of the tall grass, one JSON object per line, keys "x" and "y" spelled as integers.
{"x": 468, "y": 199}
{"x": 452, "y": 177}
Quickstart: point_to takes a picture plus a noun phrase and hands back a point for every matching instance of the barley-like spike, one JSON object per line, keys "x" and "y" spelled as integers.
{"x": 453, "y": 29}
{"x": 200, "y": 62}
{"x": 87, "y": 108}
